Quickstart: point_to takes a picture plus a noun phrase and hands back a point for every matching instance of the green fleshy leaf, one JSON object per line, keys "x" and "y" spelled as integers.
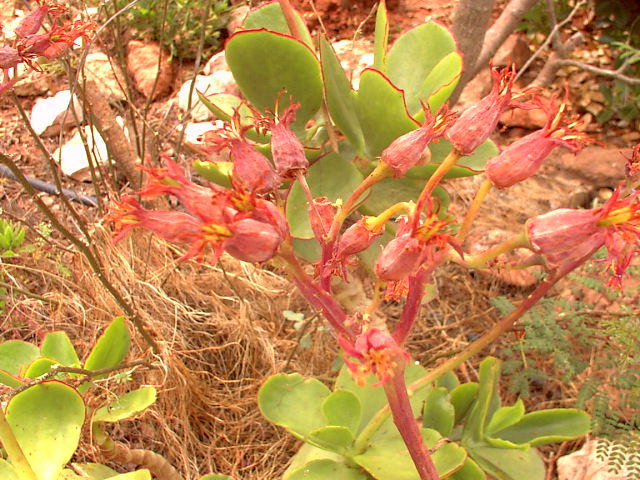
{"x": 505, "y": 417}
{"x": 216, "y": 477}
{"x": 415, "y": 55}
{"x": 448, "y": 381}
{"x": 224, "y": 105}
{"x": 270, "y": 16}
{"x": 381, "y": 38}
{"x": 509, "y": 464}
{"x": 326, "y": 469}
{"x": 127, "y": 406}
{"x": 215, "y": 172}
{"x": 7, "y": 472}
{"x": 390, "y": 191}
{"x": 15, "y": 354}
{"x": 9, "y": 380}
{"x": 462, "y": 398}
{"x": 381, "y": 111}
{"x": 294, "y": 403}
{"x": 95, "y": 471}
{"x": 388, "y": 458}
{"x": 56, "y": 345}
{"x": 343, "y": 408}
{"x": 438, "y": 413}
{"x": 547, "y": 426}
{"x": 334, "y": 438}
{"x": 331, "y": 176}
{"x": 340, "y": 96}
{"x": 474, "y": 427}
{"x": 373, "y": 398}
{"x": 469, "y": 471}
{"x": 39, "y": 367}
{"x": 264, "y": 64}
{"x": 467, "y": 166}
{"x": 440, "y": 83}
{"x": 307, "y": 249}
{"x": 309, "y": 453}
{"x": 111, "y": 347}
{"x": 46, "y": 420}
{"x": 137, "y": 475}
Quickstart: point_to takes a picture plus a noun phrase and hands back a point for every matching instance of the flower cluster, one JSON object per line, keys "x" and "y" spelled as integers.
{"x": 237, "y": 221}
{"x": 29, "y": 45}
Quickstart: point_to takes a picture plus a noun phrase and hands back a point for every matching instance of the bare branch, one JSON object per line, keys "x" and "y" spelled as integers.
{"x": 563, "y": 51}
{"x": 603, "y": 72}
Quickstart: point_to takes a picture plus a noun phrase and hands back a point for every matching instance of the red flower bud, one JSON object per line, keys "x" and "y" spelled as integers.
{"x": 400, "y": 258}
{"x": 251, "y": 168}
{"x": 405, "y": 151}
{"x": 523, "y": 158}
{"x": 31, "y": 23}
{"x": 288, "y": 153}
{"x": 477, "y": 123}
{"x": 9, "y": 58}
{"x": 178, "y": 227}
{"x": 565, "y": 235}
{"x": 253, "y": 241}
{"x": 321, "y": 214}
{"x": 357, "y": 238}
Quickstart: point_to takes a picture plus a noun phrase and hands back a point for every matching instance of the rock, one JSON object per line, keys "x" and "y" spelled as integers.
{"x": 354, "y": 58}
{"x": 216, "y": 63}
{"x": 106, "y": 75}
{"x": 585, "y": 464}
{"x": 142, "y": 63}
{"x": 50, "y": 115}
{"x": 515, "y": 50}
{"x": 33, "y": 84}
{"x": 193, "y": 134}
{"x": 529, "y": 119}
{"x": 218, "y": 82}
{"x": 238, "y": 16}
{"x": 600, "y": 166}
{"x": 72, "y": 156}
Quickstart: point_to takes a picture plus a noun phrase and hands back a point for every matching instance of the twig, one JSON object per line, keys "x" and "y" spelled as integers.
{"x": 550, "y": 38}
{"x": 603, "y": 72}
{"x": 28, "y": 293}
{"x": 88, "y": 374}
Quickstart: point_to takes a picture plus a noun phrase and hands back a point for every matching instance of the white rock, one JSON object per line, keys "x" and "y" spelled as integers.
{"x": 193, "y": 133}
{"x": 49, "y": 115}
{"x": 216, "y": 63}
{"x": 218, "y": 82}
{"x": 72, "y": 156}
{"x": 106, "y": 75}
{"x": 586, "y": 465}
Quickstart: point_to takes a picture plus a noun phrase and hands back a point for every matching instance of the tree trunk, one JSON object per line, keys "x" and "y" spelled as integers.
{"x": 470, "y": 24}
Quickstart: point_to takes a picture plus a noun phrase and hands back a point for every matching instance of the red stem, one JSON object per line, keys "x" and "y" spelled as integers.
{"x": 396, "y": 391}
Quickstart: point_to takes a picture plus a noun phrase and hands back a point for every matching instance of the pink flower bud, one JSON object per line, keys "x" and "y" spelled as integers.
{"x": 357, "y": 238}
{"x": 477, "y": 123}
{"x": 288, "y": 153}
{"x": 405, "y": 151}
{"x": 31, "y": 23}
{"x": 523, "y": 158}
{"x": 565, "y": 235}
{"x": 321, "y": 214}
{"x": 251, "y": 168}
{"x": 9, "y": 58}
{"x": 253, "y": 241}
{"x": 178, "y": 227}
{"x": 400, "y": 258}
